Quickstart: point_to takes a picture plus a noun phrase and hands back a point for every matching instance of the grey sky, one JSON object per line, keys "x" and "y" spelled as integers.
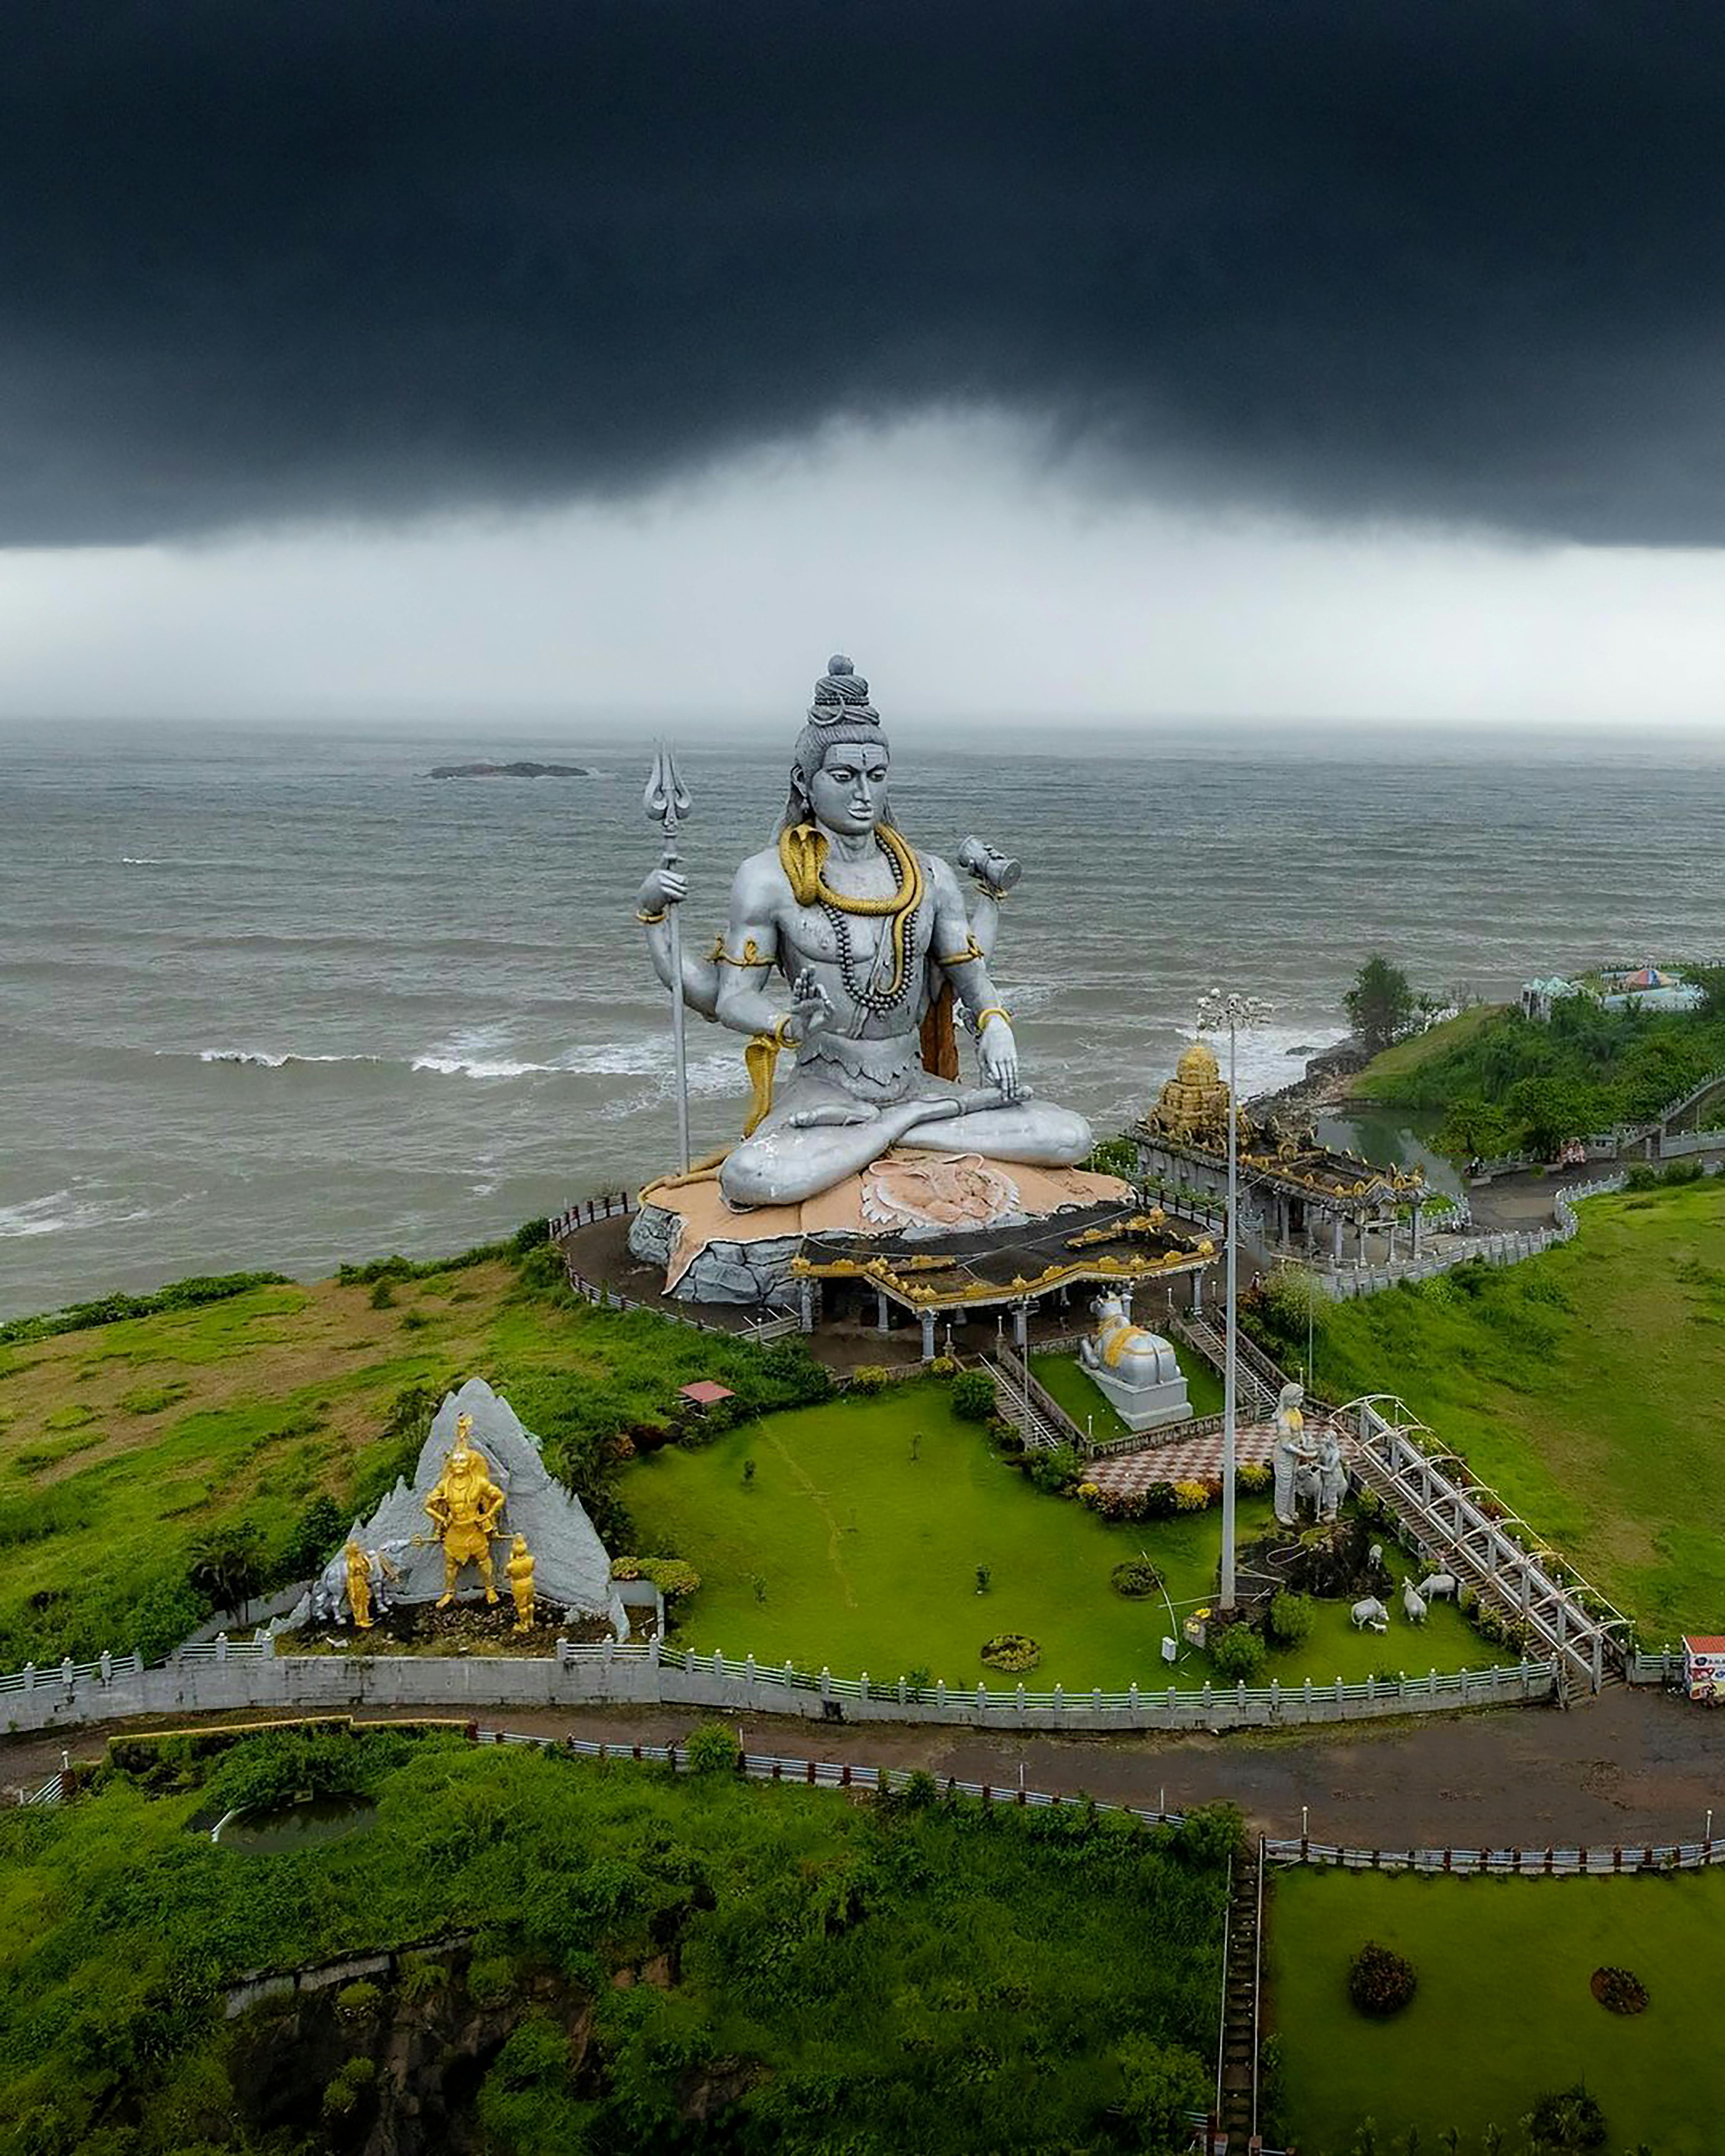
{"x": 1225, "y": 357}
{"x": 969, "y": 576}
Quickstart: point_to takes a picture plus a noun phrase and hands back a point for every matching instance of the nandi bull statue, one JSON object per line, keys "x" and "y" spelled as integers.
{"x": 1136, "y": 1372}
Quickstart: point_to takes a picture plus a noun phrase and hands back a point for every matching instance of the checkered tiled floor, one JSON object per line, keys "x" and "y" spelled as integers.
{"x": 1189, "y": 1460}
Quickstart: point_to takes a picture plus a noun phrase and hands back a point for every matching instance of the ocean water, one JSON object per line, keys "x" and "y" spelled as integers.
{"x": 273, "y": 999}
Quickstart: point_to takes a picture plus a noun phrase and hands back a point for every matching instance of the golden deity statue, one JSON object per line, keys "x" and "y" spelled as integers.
{"x": 359, "y": 1585}
{"x": 519, "y": 1573}
{"x": 464, "y": 1509}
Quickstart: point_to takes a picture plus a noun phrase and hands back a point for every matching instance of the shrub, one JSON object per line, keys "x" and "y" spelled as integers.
{"x": 1252, "y": 1479}
{"x": 869, "y": 1377}
{"x": 1120, "y": 1504}
{"x": 1379, "y": 1981}
{"x": 973, "y": 1395}
{"x": 675, "y": 1578}
{"x": 1192, "y": 1496}
{"x": 382, "y": 1294}
{"x": 1013, "y": 1652}
{"x": 1239, "y": 1654}
{"x": 355, "y": 2001}
{"x": 1212, "y": 1834}
{"x": 945, "y": 1365}
{"x": 1136, "y": 1578}
{"x": 1160, "y": 1501}
{"x": 1054, "y": 1472}
{"x": 1619, "y": 1990}
{"x": 311, "y": 1540}
{"x": 1291, "y": 1619}
{"x": 713, "y": 1749}
{"x": 343, "y": 2090}
{"x": 1566, "y": 2119}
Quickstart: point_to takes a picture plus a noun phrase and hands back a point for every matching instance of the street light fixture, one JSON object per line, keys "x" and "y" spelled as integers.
{"x": 1217, "y": 1009}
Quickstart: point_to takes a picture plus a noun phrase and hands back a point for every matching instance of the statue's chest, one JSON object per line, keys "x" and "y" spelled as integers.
{"x": 832, "y": 936}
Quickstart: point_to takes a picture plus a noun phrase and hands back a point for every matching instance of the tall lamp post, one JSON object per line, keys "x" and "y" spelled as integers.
{"x": 1216, "y": 1009}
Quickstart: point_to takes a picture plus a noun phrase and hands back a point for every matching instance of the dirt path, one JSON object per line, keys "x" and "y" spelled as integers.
{"x": 1629, "y": 1767}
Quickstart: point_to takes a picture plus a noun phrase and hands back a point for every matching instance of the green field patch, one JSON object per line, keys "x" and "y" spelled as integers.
{"x": 856, "y": 1542}
{"x": 152, "y": 1399}
{"x": 1502, "y": 2012}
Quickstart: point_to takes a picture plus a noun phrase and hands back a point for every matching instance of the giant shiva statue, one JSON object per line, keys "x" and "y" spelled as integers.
{"x": 873, "y": 941}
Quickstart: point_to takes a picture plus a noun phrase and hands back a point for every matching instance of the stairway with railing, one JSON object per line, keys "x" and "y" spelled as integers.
{"x": 1021, "y": 1402}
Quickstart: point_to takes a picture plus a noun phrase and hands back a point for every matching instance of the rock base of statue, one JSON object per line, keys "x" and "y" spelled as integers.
{"x": 712, "y": 1253}
{"x": 571, "y": 1568}
{"x": 1143, "y": 1407}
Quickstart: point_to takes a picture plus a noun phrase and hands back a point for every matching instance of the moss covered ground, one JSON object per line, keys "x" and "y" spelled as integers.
{"x": 1503, "y": 2012}
{"x": 1586, "y": 1385}
{"x": 932, "y": 1976}
{"x": 854, "y": 1543}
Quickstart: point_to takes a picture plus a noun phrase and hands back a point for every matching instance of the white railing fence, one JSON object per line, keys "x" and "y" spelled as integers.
{"x": 228, "y": 1674}
{"x": 1593, "y": 1861}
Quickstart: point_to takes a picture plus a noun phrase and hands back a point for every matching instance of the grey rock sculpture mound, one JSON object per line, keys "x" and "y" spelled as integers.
{"x": 570, "y": 1562}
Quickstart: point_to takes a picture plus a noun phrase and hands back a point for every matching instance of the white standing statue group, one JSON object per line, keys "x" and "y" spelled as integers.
{"x": 1308, "y": 1467}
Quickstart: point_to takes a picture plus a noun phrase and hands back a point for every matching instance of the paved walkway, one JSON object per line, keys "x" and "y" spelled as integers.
{"x": 1631, "y": 1766}
{"x": 1182, "y": 1460}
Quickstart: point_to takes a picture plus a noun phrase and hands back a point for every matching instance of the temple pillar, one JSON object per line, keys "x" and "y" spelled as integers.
{"x": 1359, "y": 1243}
{"x": 927, "y": 1335}
{"x": 1021, "y": 1326}
{"x": 1336, "y": 1237}
{"x": 808, "y": 1288}
{"x": 1393, "y": 1225}
{"x": 1418, "y": 1208}
{"x": 1198, "y": 1292}
{"x": 883, "y": 1316}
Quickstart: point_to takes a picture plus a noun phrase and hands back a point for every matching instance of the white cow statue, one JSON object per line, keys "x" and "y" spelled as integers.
{"x": 1438, "y": 1587}
{"x": 1370, "y": 1612}
{"x": 1129, "y": 1353}
{"x": 329, "y": 1590}
{"x": 1413, "y": 1603}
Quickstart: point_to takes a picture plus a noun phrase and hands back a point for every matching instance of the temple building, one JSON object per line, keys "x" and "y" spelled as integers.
{"x": 1311, "y": 1199}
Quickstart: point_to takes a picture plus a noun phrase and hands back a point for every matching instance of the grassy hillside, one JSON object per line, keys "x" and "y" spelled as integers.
{"x": 1384, "y": 1078}
{"x": 1586, "y": 1385}
{"x": 123, "y": 1445}
{"x": 667, "y": 1964}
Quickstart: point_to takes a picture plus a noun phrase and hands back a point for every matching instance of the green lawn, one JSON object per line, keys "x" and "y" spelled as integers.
{"x": 1503, "y": 2012}
{"x": 1079, "y": 1394}
{"x": 1586, "y": 1385}
{"x": 843, "y": 1549}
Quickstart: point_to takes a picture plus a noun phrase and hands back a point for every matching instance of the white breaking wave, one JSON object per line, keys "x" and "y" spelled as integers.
{"x": 63, "y": 1210}
{"x": 265, "y": 1059}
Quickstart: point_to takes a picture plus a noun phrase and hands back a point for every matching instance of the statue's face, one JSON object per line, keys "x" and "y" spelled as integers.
{"x": 848, "y": 793}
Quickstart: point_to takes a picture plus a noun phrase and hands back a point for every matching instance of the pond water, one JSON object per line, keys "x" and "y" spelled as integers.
{"x": 299, "y": 1825}
{"x": 1392, "y": 1137}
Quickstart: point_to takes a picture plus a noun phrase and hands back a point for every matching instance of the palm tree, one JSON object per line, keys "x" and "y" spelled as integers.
{"x": 227, "y": 1566}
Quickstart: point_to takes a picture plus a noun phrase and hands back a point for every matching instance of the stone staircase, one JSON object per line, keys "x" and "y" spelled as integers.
{"x": 1017, "y": 1405}
{"x": 1240, "y": 2015}
{"x": 1255, "y": 1397}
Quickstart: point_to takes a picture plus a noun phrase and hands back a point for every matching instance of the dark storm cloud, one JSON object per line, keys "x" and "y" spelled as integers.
{"x": 1423, "y": 261}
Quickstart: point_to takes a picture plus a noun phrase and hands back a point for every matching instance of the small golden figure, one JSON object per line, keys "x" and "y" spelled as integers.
{"x": 359, "y": 1585}
{"x": 464, "y": 1509}
{"x": 519, "y": 1571}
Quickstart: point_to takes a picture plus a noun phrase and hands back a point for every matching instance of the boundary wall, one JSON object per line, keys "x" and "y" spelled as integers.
{"x": 224, "y": 1677}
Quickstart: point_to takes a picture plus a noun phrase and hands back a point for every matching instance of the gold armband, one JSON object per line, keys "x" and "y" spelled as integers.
{"x": 988, "y": 891}
{"x": 992, "y": 1011}
{"x": 781, "y": 1032}
{"x": 649, "y": 920}
{"x": 971, "y": 949}
{"x": 753, "y": 955}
